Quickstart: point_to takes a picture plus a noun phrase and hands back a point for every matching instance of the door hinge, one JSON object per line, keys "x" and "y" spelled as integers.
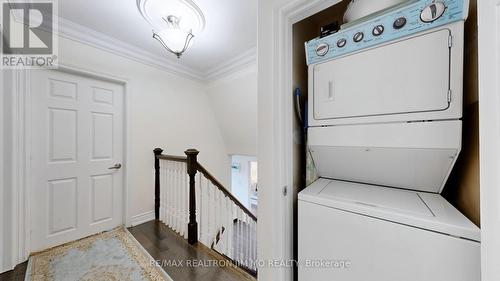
{"x": 450, "y": 41}
{"x": 285, "y": 190}
{"x": 449, "y": 96}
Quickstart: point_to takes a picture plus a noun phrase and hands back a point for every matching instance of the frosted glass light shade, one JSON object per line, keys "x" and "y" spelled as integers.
{"x": 174, "y": 22}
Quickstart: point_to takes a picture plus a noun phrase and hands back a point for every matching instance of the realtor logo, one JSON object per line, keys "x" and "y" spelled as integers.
{"x": 28, "y": 34}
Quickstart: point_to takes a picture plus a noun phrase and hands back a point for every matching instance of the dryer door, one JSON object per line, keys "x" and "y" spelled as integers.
{"x": 404, "y": 77}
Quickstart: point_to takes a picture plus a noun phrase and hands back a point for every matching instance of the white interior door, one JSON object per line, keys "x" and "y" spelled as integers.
{"x": 489, "y": 136}
{"x": 77, "y": 139}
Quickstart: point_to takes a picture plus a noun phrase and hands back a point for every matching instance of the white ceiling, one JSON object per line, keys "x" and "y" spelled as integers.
{"x": 231, "y": 28}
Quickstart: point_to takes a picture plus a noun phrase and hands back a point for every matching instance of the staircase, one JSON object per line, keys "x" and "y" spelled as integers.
{"x": 193, "y": 203}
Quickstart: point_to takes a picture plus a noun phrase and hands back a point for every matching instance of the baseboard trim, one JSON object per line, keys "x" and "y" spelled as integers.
{"x": 142, "y": 218}
{"x": 3, "y": 270}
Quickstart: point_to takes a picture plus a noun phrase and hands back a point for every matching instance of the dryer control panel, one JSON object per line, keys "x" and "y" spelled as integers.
{"x": 393, "y": 24}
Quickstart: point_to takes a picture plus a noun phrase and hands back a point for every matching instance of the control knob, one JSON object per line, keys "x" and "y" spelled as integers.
{"x": 399, "y": 23}
{"x": 358, "y": 37}
{"x": 432, "y": 11}
{"x": 341, "y": 43}
{"x": 322, "y": 49}
{"x": 378, "y": 30}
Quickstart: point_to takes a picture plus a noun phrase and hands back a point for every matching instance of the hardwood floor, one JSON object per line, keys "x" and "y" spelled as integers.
{"x": 165, "y": 245}
{"x": 169, "y": 248}
{"x": 15, "y": 275}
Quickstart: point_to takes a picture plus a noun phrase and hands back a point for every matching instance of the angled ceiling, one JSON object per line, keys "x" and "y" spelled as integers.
{"x": 230, "y": 32}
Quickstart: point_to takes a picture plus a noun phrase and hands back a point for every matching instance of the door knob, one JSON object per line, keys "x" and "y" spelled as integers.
{"x": 116, "y": 166}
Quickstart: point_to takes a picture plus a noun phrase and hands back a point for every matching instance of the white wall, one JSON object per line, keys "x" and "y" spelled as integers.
{"x": 166, "y": 111}
{"x": 2, "y": 184}
{"x": 6, "y": 194}
{"x": 234, "y": 100}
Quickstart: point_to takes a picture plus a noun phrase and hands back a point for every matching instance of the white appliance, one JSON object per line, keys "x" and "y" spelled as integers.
{"x": 358, "y": 9}
{"x": 385, "y": 103}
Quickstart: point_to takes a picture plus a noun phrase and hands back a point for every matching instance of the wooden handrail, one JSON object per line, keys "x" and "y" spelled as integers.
{"x": 221, "y": 187}
{"x": 172, "y": 158}
{"x": 192, "y": 168}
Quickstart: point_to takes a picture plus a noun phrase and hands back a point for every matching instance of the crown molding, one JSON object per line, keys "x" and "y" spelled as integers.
{"x": 85, "y": 35}
{"x": 79, "y": 33}
{"x": 236, "y": 64}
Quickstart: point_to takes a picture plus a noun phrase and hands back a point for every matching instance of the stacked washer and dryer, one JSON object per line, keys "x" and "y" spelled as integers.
{"x": 385, "y": 130}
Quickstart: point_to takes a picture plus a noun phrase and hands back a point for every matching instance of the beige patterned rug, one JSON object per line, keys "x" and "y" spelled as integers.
{"x": 113, "y": 255}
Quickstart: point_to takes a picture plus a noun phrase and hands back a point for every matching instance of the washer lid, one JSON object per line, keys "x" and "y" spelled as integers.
{"x": 416, "y": 209}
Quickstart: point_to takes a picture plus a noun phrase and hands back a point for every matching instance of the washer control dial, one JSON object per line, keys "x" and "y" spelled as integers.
{"x": 432, "y": 11}
{"x": 378, "y": 30}
{"x": 399, "y": 23}
{"x": 341, "y": 43}
{"x": 358, "y": 37}
{"x": 322, "y": 49}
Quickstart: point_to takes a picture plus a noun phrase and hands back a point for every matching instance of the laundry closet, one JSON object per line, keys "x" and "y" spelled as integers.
{"x": 387, "y": 163}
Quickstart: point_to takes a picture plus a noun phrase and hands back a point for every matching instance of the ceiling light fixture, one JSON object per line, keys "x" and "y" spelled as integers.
{"x": 174, "y": 22}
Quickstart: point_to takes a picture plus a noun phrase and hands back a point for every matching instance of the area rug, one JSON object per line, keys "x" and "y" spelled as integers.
{"x": 113, "y": 255}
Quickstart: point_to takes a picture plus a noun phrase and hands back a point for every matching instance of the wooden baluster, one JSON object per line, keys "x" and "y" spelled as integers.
{"x": 203, "y": 224}
{"x": 229, "y": 230}
{"x": 214, "y": 216}
{"x": 234, "y": 239}
{"x": 238, "y": 235}
{"x": 254, "y": 244}
{"x": 242, "y": 236}
{"x": 217, "y": 213}
{"x": 185, "y": 199}
{"x": 179, "y": 198}
{"x": 251, "y": 244}
{"x": 165, "y": 193}
{"x": 172, "y": 198}
{"x": 207, "y": 212}
{"x": 170, "y": 195}
{"x": 176, "y": 196}
{"x": 244, "y": 240}
{"x": 247, "y": 241}
{"x": 192, "y": 168}
{"x": 226, "y": 225}
{"x": 182, "y": 196}
{"x": 178, "y": 190}
{"x": 214, "y": 203}
{"x": 222, "y": 216}
{"x": 162, "y": 191}
{"x": 168, "y": 191}
{"x": 157, "y": 152}
{"x": 198, "y": 203}
{"x": 210, "y": 213}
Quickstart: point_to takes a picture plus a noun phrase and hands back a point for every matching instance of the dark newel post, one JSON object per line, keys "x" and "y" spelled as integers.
{"x": 157, "y": 152}
{"x": 192, "y": 168}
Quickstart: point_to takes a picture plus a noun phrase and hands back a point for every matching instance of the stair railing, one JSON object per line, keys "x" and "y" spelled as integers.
{"x": 191, "y": 201}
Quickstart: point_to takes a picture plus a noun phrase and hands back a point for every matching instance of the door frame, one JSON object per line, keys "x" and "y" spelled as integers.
{"x": 280, "y": 220}
{"x": 489, "y": 135}
{"x": 21, "y": 152}
{"x": 284, "y": 16}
